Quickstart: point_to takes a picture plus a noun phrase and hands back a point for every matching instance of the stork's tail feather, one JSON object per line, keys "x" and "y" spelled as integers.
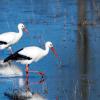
{"x": 8, "y": 59}
{"x": 14, "y": 56}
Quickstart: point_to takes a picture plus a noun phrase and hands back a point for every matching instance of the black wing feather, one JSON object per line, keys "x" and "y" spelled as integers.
{"x": 17, "y": 56}
{"x": 3, "y": 42}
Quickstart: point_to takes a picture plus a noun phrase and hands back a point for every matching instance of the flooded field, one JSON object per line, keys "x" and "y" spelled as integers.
{"x": 73, "y": 28}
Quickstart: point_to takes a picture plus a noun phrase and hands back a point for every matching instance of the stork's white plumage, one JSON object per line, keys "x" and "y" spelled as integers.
{"x": 9, "y": 38}
{"x": 31, "y": 54}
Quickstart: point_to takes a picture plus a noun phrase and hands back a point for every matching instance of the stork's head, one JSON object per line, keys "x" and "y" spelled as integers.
{"x": 22, "y": 27}
{"x": 49, "y": 44}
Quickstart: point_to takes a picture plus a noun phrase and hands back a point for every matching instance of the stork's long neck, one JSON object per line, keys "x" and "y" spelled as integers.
{"x": 20, "y": 32}
{"x": 46, "y": 51}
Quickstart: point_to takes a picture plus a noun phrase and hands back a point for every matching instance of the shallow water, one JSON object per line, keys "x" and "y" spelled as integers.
{"x": 56, "y": 21}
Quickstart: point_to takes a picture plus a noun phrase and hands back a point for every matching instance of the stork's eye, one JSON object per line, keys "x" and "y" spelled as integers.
{"x": 51, "y": 45}
{"x": 22, "y": 26}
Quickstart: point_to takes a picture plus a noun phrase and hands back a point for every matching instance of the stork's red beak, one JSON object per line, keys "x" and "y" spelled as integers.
{"x": 55, "y": 53}
{"x": 25, "y": 30}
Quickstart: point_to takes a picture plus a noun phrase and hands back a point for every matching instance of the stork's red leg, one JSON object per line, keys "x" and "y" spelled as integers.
{"x": 37, "y": 72}
{"x": 41, "y": 73}
{"x": 27, "y": 69}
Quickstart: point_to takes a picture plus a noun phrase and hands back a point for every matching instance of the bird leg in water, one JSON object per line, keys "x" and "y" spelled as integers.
{"x": 41, "y": 73}
{"x": 37, "y": 72}
{"x": 10, "y": 50}
{"x": 27, "y": 69}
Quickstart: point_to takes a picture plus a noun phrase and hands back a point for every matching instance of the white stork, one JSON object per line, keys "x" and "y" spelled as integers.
{"x": 31, "y": 54}
{"x": 9, "y": 38}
